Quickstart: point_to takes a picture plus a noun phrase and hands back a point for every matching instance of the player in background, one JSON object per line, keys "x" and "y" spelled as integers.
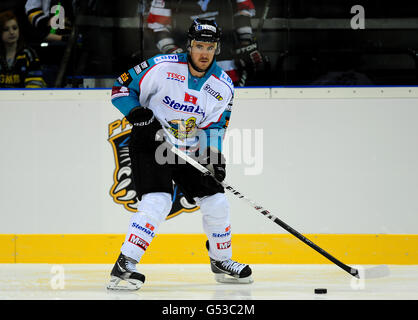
{"x": 40, "y": 16}
{"x": 240, "y": 57}
{"x": 188, "y": 98}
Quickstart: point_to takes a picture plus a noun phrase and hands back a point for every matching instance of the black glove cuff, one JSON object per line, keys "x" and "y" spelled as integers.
{"x": 140, "y": 116}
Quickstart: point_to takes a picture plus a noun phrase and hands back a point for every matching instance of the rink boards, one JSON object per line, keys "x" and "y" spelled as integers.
{"x": 189, "y": 248}
{"x": 337, "y": 164}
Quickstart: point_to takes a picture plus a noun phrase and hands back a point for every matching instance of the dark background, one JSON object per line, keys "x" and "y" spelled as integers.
{"x": 307, "y": 42}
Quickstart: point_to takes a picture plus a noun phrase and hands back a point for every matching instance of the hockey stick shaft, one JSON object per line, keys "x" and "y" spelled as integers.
{"x": 262, "y": 19}
{"x": 352, "y": 271}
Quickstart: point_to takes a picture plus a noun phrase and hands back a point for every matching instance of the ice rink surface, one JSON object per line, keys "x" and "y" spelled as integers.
{"x": 196, "y": 282}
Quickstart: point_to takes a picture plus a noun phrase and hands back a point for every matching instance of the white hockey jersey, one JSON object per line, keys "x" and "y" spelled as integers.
{"x": 187, "y": 107}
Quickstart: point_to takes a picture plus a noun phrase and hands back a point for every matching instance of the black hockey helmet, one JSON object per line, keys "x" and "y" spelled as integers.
{"x": 204, "y": 30}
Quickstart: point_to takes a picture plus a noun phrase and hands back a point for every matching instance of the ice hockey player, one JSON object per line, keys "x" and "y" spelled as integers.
{"x": 188, "y": 97}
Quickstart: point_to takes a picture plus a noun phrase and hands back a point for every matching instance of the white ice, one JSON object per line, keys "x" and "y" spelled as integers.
{"x": 196, "y": 282}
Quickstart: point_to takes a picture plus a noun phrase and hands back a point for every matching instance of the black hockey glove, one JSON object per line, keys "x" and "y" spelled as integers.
{"x": 250, "y": 59}
{"x": 144, "y": 128}
{"x": 214, "y": 161}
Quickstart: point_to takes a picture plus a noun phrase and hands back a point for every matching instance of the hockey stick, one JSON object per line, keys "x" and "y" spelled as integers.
{"x": 374, "y": 272}
{"x": 263, "y": 18}
{"x": 72, "y": 40}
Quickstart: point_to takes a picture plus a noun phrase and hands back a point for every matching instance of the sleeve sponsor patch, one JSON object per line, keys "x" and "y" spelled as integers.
{"x": 118, "y": 92}
{"x": 167, "y": 57}
{"x": 141, "y": 67}
{"x": 227, "y": 80}
{"x": 125, "y": 79}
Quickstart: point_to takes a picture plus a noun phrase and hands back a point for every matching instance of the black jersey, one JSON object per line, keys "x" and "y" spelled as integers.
{"x": 25, "y": 71}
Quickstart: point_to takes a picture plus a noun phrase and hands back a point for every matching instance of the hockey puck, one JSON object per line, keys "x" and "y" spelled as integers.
{"x": 320, "y": 291}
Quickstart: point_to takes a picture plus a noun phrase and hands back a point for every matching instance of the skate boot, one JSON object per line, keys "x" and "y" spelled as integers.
{"x": 124, "y": 269}
{"x": 230, "y": 271}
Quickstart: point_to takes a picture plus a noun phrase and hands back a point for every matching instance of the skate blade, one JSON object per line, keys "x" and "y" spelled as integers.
{"x": 128, "y": 285}
{"x": 224, "y": 278}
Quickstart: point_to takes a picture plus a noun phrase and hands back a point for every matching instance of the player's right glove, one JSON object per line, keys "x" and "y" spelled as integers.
{"x": 144, "y": 128}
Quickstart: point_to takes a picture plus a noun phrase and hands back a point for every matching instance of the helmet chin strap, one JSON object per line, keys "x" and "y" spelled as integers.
{"x": 194, "y": 66}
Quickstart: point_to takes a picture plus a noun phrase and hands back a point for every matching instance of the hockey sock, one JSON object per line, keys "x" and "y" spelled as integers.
{"x": 152, "y": 210}
{"x": 216, "y": 224}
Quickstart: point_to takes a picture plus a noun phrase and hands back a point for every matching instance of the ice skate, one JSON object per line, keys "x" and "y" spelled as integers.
{"x": 125, "y": 270}
{"x": 230, "y": 271}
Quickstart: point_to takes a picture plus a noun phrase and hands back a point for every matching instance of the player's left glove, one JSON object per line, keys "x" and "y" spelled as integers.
{"x": 214, "y": 161}
{"x": 144, "y": 128}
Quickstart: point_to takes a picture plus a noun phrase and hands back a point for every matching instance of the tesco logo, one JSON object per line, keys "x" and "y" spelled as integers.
{"x": 175, "y": 76}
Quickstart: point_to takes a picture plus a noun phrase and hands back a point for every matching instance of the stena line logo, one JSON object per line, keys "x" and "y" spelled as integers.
{"x": 148, "y": 229}
{"x": 173, "y": 104}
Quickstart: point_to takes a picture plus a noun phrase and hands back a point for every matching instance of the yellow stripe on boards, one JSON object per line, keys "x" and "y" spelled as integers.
{"x": 7, "y": 248}
{"x": 190, "y": 248}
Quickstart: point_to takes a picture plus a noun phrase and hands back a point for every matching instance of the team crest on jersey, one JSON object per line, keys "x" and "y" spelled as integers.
{"x": 183, "y": 129}
{"x": 122, "y": 190}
